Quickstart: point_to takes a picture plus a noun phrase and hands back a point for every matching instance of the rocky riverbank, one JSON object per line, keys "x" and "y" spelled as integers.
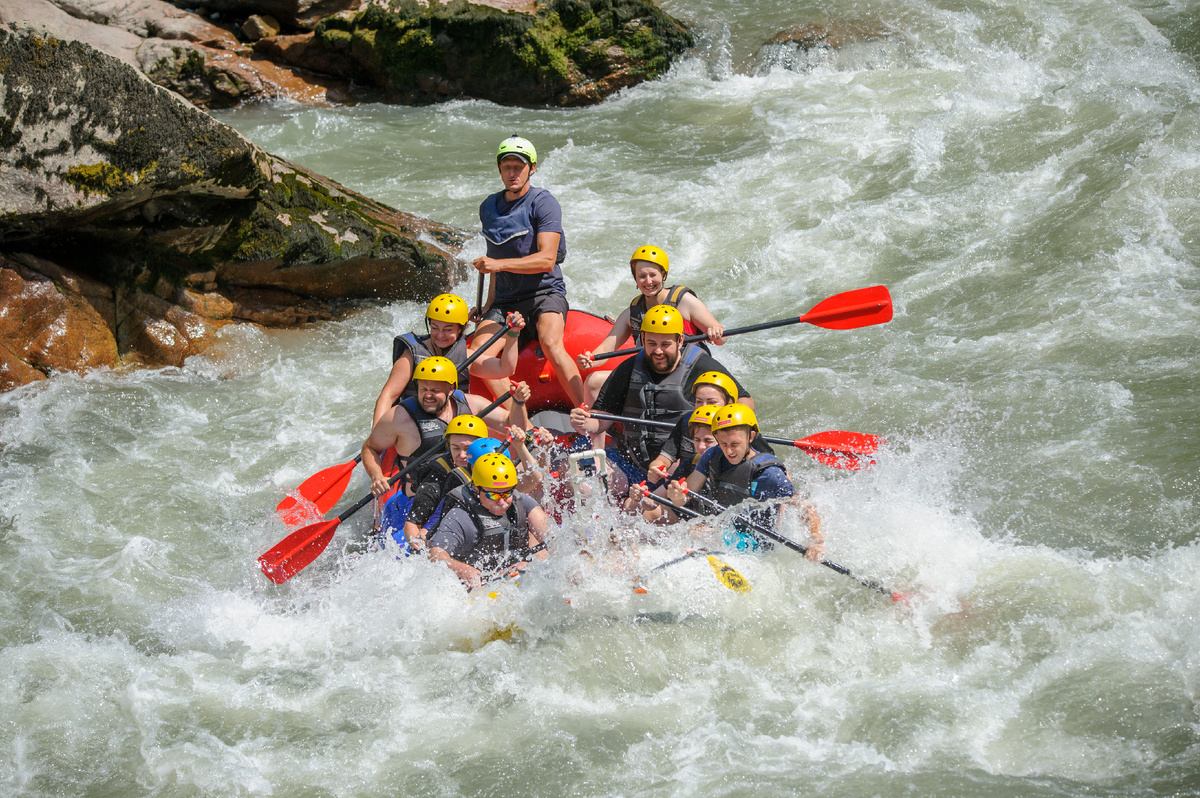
{"x": 133, "y": 225}
{"x": 516, "y": 52}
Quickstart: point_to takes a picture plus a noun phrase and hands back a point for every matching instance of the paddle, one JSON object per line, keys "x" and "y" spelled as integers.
{"x": 845, "y": 311}
{"x": 791, "y": 544}
{"x": 290, "y": 555}
{"x": 849, "y": 450}
{"x": 325, "y": 488}
{"x": 479, "y": 296}
{"x": 725, "y": 573}
{"x": 509, "y": 569}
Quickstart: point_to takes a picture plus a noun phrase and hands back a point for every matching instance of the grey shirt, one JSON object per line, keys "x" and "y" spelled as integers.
{"x": 457, "y": 534}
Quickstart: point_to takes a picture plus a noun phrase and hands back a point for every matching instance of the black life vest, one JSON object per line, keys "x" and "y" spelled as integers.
{"x": 637, "y": 311}
{"x": 432, "y": 429}
{"x": 419, "y": 346}
{"x": 736, "y": 484}
{"x": 498, "y": 535}
{"x": 667, "y": 400}
{"x": 441, "y": 478}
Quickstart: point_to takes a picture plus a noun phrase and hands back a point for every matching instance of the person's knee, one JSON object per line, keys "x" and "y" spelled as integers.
{"x": 550, "y": 331}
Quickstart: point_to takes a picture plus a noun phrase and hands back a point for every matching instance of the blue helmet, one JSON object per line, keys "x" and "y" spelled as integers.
{"x": 481, "y": 447}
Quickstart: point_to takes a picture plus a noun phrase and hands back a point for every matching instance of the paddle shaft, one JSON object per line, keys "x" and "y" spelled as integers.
{"x": 791, "y": 544}
{"x": 800, "y": 444}
{"x": 687, "y": 339}
{"x": 504, "y": 328}
{"x": 815, "y": 316}
{"x": 514, "y": 557}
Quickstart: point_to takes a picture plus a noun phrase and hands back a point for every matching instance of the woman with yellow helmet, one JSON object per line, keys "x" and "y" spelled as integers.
{"x": 446, "y": 322}
{"x": 732, "y": 472}
{"x": 650, "y": 266}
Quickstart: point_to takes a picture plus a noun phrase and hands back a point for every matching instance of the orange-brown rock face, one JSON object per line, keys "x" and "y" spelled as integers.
{"x": 51, "y": 320}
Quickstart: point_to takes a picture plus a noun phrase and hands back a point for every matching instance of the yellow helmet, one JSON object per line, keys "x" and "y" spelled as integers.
{"x": 448, "y": 307}
{"x": 664, "y": 320}
{"x": 703, "y": 415}
{"x": 437, "y": 369}
{"x": 467, "y": 425}
{"x": 652, "y": 255}
{"x": 494, "y": 472}
{"x": 734, "y": 415}
{"x": 722, "y": 381}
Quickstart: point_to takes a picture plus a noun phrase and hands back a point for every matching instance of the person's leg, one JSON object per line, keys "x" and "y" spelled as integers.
{"x": 550, "y": 328}
{"x": 483, "y": 331}
{"x": 592, "y": 384}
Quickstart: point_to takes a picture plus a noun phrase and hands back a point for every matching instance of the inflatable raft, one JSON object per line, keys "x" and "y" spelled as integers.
{"x": 584, "y": 332}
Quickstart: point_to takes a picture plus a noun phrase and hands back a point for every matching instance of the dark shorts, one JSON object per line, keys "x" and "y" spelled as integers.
{"x": 530, "y": 309}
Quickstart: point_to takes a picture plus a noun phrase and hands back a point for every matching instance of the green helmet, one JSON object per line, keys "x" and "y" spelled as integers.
{"x": 515, "y": 145}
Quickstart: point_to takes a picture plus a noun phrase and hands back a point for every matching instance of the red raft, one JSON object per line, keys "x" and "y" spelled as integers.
{"x": 584, "y": 332}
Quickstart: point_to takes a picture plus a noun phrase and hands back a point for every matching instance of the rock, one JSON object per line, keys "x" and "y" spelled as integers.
{"x": 260, "y": 27}
{"x": 147, "y": 198}
{"x": 51, "y": 320}
{"x": 180, "y": 50}
{"x": 857, "y": 44}
{"x": 832, "y": 34}
{"x": 41, "y": 16}
{"x": 570, "y": 52}
{"x": 302, "y": 14}
{"x": 153, "y": 331}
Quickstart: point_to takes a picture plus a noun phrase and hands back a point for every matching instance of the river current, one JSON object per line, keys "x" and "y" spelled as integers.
{"x": 1024, "y": 176}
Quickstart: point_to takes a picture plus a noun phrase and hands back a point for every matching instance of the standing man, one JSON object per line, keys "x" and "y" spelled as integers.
{"x": 525, "y": 245}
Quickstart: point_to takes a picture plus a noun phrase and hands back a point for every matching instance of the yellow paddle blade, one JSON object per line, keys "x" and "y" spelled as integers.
{"x": 727, "y": 576}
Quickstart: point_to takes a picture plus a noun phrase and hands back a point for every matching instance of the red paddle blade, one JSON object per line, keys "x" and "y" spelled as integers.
{"x": 290, "y": 555}
{"x": 840, "y": 449}
{"x": 323, "y": 489}
{"x": 850, "y": 309}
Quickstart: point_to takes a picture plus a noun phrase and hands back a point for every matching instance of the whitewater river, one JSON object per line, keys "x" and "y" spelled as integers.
{"x": 1024, "y": 176}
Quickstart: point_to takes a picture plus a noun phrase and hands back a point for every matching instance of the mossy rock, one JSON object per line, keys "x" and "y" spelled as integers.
{"x": 571, "y": 52}
{"x": 121, "y": 180}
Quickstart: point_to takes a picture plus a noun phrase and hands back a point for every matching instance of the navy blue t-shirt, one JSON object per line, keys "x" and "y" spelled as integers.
{"x": 511, "y": 230}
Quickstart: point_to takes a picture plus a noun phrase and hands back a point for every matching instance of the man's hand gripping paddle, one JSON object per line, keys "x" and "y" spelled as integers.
{"x": 325, "y": 488}
{"x": 845, "y": 311}
{"x": 290, "y": 555}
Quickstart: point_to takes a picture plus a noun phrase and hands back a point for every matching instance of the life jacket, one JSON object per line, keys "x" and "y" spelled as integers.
{"x": 432, "y": 429}
{"x": 511, "y": 233}
{"x": 668, "y": 400}
{"x": 687, "y": 450}
{"x": 497, "y": 535}
{"x": 441, "y": 477}
{"x": 418, "y": 345}
{"x": 637, "y": 311}
{"x": 736, "y": 484}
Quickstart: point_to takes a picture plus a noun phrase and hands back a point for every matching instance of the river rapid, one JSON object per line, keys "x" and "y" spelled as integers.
{"x": 1024, "y": 176}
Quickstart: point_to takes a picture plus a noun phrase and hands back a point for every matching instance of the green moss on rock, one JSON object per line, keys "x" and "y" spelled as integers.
{"x": 571, "y": 52}
{"x": 99, "y": 178}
